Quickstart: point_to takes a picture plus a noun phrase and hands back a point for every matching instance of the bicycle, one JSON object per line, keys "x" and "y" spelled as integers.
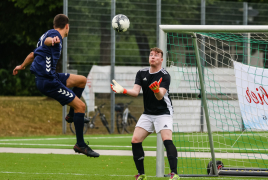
{"x": 123, "y": 117}
{"x": 90, "y": 123}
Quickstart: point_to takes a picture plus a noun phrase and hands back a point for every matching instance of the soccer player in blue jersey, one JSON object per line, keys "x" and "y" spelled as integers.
{"x": 56, "y": 85}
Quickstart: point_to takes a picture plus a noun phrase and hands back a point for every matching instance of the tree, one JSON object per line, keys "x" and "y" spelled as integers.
{"x": 22, "y": 22}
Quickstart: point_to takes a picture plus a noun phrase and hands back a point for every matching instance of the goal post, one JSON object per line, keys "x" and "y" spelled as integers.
{"x": 228, "y": 76}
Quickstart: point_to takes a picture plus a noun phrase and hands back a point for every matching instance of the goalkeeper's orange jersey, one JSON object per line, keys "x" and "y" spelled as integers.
{"x": 152, "y": 106}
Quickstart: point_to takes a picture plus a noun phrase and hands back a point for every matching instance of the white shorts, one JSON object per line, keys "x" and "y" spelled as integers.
{"x": 155, "y": 122}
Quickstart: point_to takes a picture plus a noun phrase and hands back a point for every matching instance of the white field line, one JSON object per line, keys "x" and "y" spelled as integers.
{"x": 70, "y": 151}
{"x": 76, "y": 174}
{"x": 129, "y": 153}
{"x": 68, "y": 145}
{"x": 123, "y": 137}
{"x": 149, "y": 147}
{"x": 106, "y": 175}
{"x": 52, "y": 139}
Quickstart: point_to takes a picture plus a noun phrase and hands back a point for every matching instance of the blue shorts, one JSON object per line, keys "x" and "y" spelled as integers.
{"x": 56, "y": 88}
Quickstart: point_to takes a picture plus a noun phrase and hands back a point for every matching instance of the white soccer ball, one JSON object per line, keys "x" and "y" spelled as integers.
{"x": 120, "y": 23}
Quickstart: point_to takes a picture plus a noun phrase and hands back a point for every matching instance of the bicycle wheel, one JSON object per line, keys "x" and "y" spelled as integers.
{"x": 105, "y": 123}
{"x": 131, "y": 119}
{"x": 125, "y": 127}
{"x": 119, "y": 124}
{"x": 72, "y": 128}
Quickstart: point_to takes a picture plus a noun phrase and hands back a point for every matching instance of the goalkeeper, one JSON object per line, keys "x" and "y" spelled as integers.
{"x": 157, "y": 114}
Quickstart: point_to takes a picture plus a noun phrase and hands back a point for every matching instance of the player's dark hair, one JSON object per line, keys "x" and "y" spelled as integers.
{"x": 156, "y": 49}
{"x": 60, "y": 21}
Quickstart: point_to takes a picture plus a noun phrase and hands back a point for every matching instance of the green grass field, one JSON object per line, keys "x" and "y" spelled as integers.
{"x": 25, "y": 124}
{"x": 54, "y": 166}
{"x": 67, "y": 167}
{"x": 223, "y": 142}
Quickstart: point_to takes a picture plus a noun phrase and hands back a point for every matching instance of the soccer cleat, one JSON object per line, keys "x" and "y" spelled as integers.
{"x": 174, "y": 176}
{"x": 86, "y": 150}
{"x": 141, "y": 177}
{"x": 70, "y": 119}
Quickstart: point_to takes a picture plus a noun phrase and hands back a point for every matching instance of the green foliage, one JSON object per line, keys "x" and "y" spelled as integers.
{"x": 29, "y": 19}
{"x": 22, "y": 84}
{"x": 250, "y": 1}
{"x": 22, "y": 22}
{"x": 36, "y": 7}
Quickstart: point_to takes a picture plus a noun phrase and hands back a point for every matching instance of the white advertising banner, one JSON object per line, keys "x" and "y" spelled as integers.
{"x": 252, "y": 91}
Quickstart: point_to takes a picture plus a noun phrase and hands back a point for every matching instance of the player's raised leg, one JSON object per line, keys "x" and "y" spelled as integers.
{"x": 138, "y": 154}
{"x": 172, "y": 154}
{"x": 78, "y": 83}
{"x": 78, "y": 118}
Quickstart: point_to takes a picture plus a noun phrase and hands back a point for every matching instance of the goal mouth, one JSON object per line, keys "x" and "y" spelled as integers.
{"x": 219, "y": 95}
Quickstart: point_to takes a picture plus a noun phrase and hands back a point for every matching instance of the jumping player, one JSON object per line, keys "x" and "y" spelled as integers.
{"x": 56, "y": 85}
{"x": 157, "y": 114}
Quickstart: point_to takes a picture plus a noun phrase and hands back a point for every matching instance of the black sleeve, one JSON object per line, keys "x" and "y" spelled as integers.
{"x": 165, "y": 81}
{"x": 138, "y": 79}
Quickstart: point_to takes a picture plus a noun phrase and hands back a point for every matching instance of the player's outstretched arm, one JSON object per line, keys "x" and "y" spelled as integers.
{"x": 158, "y": 92}
{"x": 28, "y": 60}
{"x": 49, "y": 41}
{"x": 131, "y": 92}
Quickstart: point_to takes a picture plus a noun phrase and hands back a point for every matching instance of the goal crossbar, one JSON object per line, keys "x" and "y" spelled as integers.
{"x": 212, "y": 28}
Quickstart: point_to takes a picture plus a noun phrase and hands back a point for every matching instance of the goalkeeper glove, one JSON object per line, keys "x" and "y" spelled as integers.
{"x": 155, "y": 86}
{"x": 118, "y": 88}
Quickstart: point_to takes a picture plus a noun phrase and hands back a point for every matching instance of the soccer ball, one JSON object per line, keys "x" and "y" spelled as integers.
{"x": 120, "y": 23}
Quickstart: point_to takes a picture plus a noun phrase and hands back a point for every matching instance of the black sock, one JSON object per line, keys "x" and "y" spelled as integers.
{"x": 172, "y": 155}
{"x": 79, "y": 126}
{"x": 78, "y": 92}
{"x": 138, "y": 156}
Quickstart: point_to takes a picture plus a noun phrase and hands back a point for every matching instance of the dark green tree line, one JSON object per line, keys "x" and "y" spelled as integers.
{"x": 22, "y": 22}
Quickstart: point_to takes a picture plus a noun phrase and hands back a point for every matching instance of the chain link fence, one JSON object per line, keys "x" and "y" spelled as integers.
{"x": 89, "y": 40}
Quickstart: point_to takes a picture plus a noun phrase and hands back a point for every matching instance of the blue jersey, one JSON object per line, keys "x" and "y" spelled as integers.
{"x": 46, "y": 57}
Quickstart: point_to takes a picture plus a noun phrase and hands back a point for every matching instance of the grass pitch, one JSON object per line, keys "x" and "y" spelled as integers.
{"x": 189, "y": 142}
{"x": 27, "y": 116}
{"x": 69, "y": 167}
{"x": 54, "y": 166}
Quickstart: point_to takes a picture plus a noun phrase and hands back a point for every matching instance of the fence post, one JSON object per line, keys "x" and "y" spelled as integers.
{"x": 112, "y": 65}
{"x": 64, "y": 67}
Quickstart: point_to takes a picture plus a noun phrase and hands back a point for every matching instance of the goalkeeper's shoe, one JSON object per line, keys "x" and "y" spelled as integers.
{"x": 174, "y": 176}
{"x": 70, "y": 119}
{"x": 86, "y": 150}
{"x": 141, "y": 177}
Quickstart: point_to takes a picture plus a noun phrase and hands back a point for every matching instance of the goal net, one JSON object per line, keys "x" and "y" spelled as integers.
{"x": 232, "y": 69}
